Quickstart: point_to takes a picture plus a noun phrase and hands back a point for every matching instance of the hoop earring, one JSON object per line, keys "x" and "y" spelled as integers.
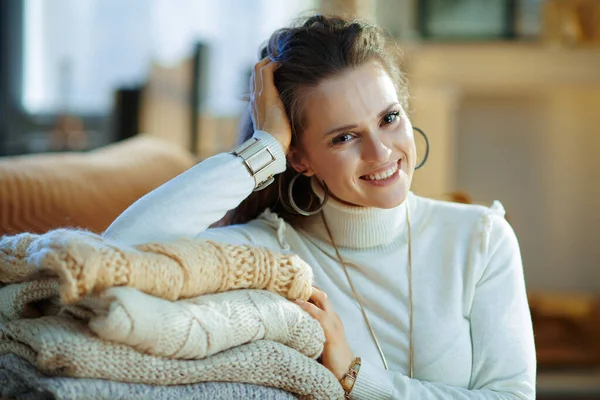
{"x": 295, "y": 206}
{"x": 426, "y": 151}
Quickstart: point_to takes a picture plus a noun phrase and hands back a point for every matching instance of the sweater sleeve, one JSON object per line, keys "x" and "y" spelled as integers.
{"x": 189, "y": 203}
{"x": 504, "y": 365}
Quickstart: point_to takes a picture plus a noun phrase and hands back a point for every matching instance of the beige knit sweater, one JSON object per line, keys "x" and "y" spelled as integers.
{"x": 186, "y": 329}
{"x": 64, "y": 346}
{"x": 251, "y": 336}
{"x": 86, "y": 263}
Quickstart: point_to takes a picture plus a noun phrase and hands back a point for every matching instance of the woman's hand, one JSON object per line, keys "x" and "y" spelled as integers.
{"x": 337, "y": 354}
{"x": 266, "y": 108}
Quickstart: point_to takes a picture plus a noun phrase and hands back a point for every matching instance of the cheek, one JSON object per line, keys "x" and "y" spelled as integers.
{"x": 406, "y": 143}
{"x": 336, "y": 168}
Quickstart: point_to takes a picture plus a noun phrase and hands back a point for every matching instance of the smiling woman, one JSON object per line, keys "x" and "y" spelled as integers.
{"x": 417, "y": 298}
{"x": 369, "y": 162}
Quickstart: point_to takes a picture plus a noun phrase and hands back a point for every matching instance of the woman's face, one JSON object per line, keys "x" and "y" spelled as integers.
{"x": 358, "y": 140}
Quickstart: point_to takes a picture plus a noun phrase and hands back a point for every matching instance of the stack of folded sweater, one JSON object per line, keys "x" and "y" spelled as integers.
{"x": 191, "y": 319}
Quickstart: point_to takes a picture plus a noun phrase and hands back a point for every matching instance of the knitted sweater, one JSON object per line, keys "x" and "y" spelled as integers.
{"x": 211, "y": 331}
{"x": 88, "y": 263}
{"x": 20, "y": 380}
{"x": 63, "y": 347}
{"x": 473, "y": 336}
{"x": 186, "y": 329}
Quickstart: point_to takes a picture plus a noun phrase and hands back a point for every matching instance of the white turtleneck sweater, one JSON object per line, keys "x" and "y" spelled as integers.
{"x": 473, "y": 336}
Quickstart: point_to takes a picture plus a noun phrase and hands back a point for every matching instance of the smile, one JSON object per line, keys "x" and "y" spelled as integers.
{"x": 383, "y": 174}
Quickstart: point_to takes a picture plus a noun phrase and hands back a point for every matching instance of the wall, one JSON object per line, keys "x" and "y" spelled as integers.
{"x": 520, "y": 124}
{"x": 513, "y": 149}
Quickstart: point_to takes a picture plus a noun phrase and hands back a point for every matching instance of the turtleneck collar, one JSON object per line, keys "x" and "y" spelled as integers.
{"x": 358, "y": 227}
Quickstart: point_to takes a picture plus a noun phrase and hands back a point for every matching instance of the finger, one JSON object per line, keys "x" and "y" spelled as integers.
{"x": 251, "y": 83}
{"x": 267, "y": 80}
{"x": 320, "y": 298}
{"x": 311, "y": 309}
{"x": 256, "y": 74}
{"x": 253, "y": 115}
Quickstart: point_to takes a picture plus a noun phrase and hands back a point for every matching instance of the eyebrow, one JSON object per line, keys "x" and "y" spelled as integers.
{"x": 354, "y": 126}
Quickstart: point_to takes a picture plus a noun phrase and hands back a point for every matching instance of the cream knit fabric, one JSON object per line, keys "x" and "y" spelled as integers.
{"x": 135, "y": 337}
{"x": 186, "y": 329}
{"x": 13, "y": 252}
{"x": 203, "y": 326}
{"x": 29, "y": 300}
{"x": 61, "y": 346}
{"x": 86, "y": 263}
{"x": 20, "y": 380}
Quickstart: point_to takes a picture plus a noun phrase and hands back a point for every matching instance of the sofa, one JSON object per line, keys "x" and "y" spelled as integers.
{"x": 88, "y": 190}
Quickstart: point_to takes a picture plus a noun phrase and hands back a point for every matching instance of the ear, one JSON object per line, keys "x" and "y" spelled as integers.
{"x": 299, "y": 162}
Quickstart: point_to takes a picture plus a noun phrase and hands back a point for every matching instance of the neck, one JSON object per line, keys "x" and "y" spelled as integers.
{"x": 355, "y": 226}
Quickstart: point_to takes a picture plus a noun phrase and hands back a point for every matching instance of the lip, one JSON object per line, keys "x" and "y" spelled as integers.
{"x": 383, "y": 169}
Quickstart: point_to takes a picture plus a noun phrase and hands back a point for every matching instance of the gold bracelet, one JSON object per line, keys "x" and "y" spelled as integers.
{"x": 348, "y": 380}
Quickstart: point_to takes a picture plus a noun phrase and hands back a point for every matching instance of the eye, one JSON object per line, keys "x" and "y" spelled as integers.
{"x": 391, "y": 117}
{"x": 343, "y": 138}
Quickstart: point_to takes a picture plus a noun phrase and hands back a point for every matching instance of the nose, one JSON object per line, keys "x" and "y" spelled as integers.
{"x": 374, "y": 149}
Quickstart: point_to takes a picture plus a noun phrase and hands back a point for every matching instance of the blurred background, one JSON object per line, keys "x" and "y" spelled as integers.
{"x": 93, "y": 92}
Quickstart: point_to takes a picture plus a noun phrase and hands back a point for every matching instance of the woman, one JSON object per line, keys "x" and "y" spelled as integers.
{"x": 418, "y": 298}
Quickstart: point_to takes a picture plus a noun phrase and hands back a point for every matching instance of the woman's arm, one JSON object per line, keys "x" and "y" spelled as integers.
{"x": 192, "y": 201}
{"x": 504, "y": 364}
{"x": 188, "y": 204}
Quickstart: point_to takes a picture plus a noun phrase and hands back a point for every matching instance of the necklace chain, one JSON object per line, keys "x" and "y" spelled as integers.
{"x": 362, "y": 308}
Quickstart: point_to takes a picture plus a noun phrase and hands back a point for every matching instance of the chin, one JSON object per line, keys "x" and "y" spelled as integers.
{"x": 385, "y": 198}
{"x": 389, "y": 202}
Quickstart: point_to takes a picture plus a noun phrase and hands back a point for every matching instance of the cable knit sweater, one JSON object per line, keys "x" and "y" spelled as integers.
{"x": 473, "y": 336}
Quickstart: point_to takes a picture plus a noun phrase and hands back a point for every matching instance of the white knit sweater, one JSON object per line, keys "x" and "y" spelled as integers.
{"x": 473, "y": 336}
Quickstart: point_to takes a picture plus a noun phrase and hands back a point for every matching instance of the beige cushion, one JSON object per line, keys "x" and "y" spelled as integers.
{"x": 87, "y": 190}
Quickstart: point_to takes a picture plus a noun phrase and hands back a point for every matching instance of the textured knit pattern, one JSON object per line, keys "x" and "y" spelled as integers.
{"x": 60, "y": 346}
{"x": 186, "y": 329}
{"x": 87, "y": 264}
{"x": 29, "y": 300}
{"x": 20, "y": 380}
{"x": 87, "y": 190}
{"x": 203, "y": 326}
{"x": 13, "y": 253}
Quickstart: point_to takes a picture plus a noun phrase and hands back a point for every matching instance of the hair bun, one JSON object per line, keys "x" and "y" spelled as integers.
{"x": 264, "y": 52}
{"x": 317, "y": 21}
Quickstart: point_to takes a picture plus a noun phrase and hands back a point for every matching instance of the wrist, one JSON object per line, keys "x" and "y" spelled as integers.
{"x": 285, "y": 145}
{"x": 258, "y": 159}
{"x": 344, "y": 364}
{"x": 263, "y": 157}
{"x": 275, "y": 145}
{"x": 349, "y": 378}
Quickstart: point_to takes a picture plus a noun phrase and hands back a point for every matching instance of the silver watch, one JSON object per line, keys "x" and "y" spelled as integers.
{"x": 257, "y": 158}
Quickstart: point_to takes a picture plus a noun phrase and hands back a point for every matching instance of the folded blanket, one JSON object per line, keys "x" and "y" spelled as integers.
{"x": 87, "y": 263}
{"x": 186, "y": 329}
{"x": 20, "y": 380}
{"x": 61, "y": 346}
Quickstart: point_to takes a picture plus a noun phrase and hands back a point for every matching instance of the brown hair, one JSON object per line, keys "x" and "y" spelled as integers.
{"x": 318, "y": 49}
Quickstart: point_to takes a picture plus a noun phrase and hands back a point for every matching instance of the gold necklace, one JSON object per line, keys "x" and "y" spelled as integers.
{"x": 362, "y": 309}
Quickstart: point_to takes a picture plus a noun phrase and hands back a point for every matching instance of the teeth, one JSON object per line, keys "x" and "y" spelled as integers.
{"x": 384, "y": 175}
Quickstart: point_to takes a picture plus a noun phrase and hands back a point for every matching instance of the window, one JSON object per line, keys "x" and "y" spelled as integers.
{"x": 76, "y": 52}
